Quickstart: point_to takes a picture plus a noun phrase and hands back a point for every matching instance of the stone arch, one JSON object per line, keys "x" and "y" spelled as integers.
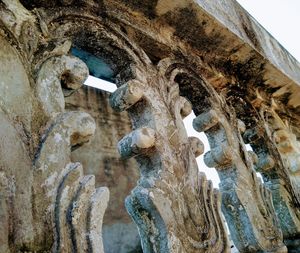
{"x": 224, "y": 132}
{"x": 107, "y": 42}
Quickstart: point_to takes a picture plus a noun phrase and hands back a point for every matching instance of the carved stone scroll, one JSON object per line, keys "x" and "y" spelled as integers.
{"x": 249, "y": 213}
{"x": 277, "y": 150}
{"x": 69, "y": 198}
{"x": 175, "y": 208}
{"x": 66, "y": 70}
{"x": 288, "y": 146}
{"x": 46, "y": 203}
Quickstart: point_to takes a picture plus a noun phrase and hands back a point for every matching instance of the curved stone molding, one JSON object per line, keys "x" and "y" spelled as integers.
{"x": 69, "y": 129}
{"x": 250, "y": 214}
{"x": 126, "y": 96}
{"x": 79, "y": 211}
{"x": 71, "y": 202}
{"x": 275, "y": 162}
{"x": 67, "y": 70}
{"x": 288, "y": 147}
{"x": 57, "y": 205}
{"x": 46, "y": 203}
{"x": 175, "y": 208}
{"x": 21, "y": 23}
{"x": 68, "y": 198}
{"x": 136, "y": 142}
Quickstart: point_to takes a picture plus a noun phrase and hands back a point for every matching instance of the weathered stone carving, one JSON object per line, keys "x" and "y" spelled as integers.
{"x": 46, "y": 203}
{"x": 21, "y": 23}
{"x": 276, "y": 149}
{"x": 287, "y": 214}
{"x": 175, "y": 208}
{"x": 101, "y": 158}
{"x": 68, "y": 70}
{"x": 71, "y": 201}
{"x": 288, "y": 147}
{"x": 250, "y": 214}
{"x": 61, "y": 191}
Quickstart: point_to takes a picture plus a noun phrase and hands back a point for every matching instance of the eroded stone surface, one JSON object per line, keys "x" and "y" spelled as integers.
{"x": 158, "y": 53}
{"x": 167, "y": 202}
{"x": 38, "y": 181}
{"x": 15, "y": 86}
{"x": 101, "y": 158}
{"x": 249, "y": 213}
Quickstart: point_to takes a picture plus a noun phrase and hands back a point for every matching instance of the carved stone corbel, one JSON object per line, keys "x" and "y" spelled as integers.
{"x": 46, "y": 203}
{"x": 55, "y": 72}
{"x": 288, "y": 215}
{"x": 277, "y": 151}
{"x": 69, "y": 199}
{"x": 175, "y": 208}
{"x": 72, "y": 209}
{"x": 288, "y": 147}
{"x": 246, "y": 202}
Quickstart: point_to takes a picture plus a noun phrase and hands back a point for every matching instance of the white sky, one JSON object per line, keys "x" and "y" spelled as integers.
{"x": 281, "y": 18}
{"x": 100, "y": 84}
